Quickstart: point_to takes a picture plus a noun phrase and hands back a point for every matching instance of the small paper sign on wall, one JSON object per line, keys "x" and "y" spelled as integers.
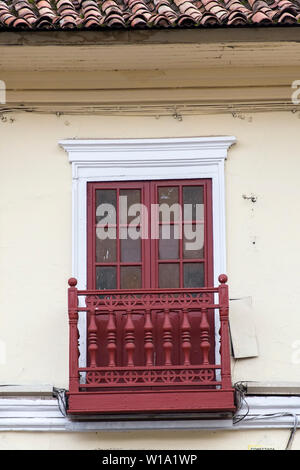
{"x": 242, "y": 328}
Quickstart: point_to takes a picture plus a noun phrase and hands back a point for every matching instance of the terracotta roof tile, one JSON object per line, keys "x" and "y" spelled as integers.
{"x": 137, "y": 14}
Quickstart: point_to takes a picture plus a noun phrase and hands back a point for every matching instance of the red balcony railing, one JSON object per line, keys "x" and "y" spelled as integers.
{"x": 150, "y": 350}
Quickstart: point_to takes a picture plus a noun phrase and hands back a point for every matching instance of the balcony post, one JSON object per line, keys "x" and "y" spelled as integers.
{"x": 224, "y": 315}
{"x": 167, "y": 337}
{"x": 149, "y": 346}
{"x": 111, "y": 339}
{"x": 129, "y": 339}
{"x": 186, "y": 337}
{"x": 204, "y": 336}
{"x": 73, "y": 336}
{"x": 92, "y": 337}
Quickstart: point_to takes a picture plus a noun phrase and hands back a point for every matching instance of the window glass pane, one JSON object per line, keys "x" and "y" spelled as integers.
{"x": 106, "y": 205}
{"x": 168, "y": 196}
{"x": 193, "y": 241}
{"x": 131, "y": 277}
{"x": 193, "y": 275}
{"x": 130, "y": 248}
{"x": 106, "y": 277}
{"x": 168, "y": 275}
{"x": 106, "y": 250}
{"x": 193, "y": 200}
{"x": 128, "y": 208}
{"x": 168, "y": 244}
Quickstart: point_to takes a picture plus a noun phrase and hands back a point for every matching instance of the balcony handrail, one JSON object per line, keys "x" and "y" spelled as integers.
{"x": 146, "y": 301}
{"x": 145, "y": 291}
{"x": 120, "y": 299}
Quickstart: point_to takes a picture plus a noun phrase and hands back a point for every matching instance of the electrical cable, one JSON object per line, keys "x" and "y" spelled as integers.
{"x": 279, "y": 415}
{"x": 241, "y": 389}
{"x": 60, "y": 394}
{"x": 293, "y": 432}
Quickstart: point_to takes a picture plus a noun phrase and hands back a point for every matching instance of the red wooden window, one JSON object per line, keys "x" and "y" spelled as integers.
{"x": 145, "y": 262}
{"x": 173, "y": 265}
{"x": 150, "y": 304}
{"x": 155, "y": 259}
{"x": 116, "y": 263}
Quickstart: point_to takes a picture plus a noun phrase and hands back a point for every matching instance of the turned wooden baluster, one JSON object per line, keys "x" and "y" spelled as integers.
{"x": 167, "y": 337}
{"x": 204, "y": 336}
{"x": 73, "y": 336}
{"x": 149, "y": 346}
{"x": 186, "y": 337}
{"x": 92, "y": 337}
{"x": 224, "y": 332}
{"x": 129, "y": 339}
{"x": 111, "y": 339}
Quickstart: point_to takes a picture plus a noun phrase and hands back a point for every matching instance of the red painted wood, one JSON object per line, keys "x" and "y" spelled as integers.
{"x": 150, "y": 349}
{"x": 224, "y": 333}
{"x": 207, "y": 260}
{"x": 167, "y": 337}
{"x": 191, "y": 383}
{"x": 148, "y": 328}
{"x": 208, "y": 232}
{"x": 204, "y": 337}
{"x": 73, "y": 336}
{"x": 150, "y": 260}
{"x": 129, "y": 339}
{"x": 186, "y": 337}
{"x": 130, "y": 402}
{"x": 92, "y": 337}
{"x": 91, "y": 233}
{"x": 111, "y": 339}
{"x": 149, "y": 265}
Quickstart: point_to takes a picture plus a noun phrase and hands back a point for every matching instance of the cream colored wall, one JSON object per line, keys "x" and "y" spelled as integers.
{"x": 35, "y": 250}
{"x": 202, "y": 440}
{"x": 35, "y": 236}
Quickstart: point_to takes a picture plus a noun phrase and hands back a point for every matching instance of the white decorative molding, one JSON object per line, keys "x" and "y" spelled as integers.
{"x": 36, "y": 414}
{"x": 144, "y": 159}
{"x": 262, "y": 409}
{"x": 31, "y": 414}
{"x": 140, "y": 145}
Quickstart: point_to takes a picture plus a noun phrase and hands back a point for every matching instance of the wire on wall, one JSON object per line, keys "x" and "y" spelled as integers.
{"x": 241, "y": 389}
{"x": 60, "y": 394}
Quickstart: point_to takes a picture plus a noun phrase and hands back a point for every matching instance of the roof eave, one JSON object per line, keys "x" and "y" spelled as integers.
{"x": 152, "y": 36}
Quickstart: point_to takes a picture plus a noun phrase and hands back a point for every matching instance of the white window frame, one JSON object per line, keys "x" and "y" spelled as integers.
{"x": 144, "y": 159}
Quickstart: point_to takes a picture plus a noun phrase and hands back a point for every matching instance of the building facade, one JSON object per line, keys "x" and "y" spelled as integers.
{"x": 104, "y": 99}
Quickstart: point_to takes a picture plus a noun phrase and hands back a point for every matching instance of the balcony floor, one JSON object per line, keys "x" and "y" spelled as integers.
{"x": 151, "y": 401}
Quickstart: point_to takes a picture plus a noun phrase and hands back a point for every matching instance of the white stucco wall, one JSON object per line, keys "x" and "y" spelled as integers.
{"x": 35, "y": 244}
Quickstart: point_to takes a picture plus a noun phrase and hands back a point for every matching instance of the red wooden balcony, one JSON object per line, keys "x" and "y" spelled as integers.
{"x": 151, "y": 350}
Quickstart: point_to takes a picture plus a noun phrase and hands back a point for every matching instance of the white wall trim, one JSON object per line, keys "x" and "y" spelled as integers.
{"x": 87, "y": 146}
{"x": 37, "y": 414}
{"x": 144, "y": 159}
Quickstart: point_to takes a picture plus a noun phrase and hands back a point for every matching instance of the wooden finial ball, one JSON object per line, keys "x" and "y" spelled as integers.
{"x": 72, "y": 282}
{"x": 223, "y": 278}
